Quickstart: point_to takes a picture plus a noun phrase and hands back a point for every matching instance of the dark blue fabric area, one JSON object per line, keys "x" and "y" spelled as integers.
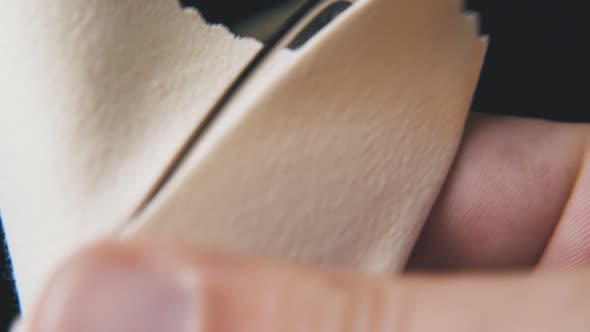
{"x": 8, "y": 300}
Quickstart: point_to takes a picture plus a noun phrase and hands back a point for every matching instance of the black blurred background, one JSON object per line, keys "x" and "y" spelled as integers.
{"x": 537, "y": 66}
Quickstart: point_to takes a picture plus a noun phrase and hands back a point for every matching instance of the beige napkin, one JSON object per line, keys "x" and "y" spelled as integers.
{"x": 96, "y": 97}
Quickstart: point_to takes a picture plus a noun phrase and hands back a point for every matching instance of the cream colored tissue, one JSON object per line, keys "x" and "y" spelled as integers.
{"x": 95, "y": 99}
{"x": 335, "y": 156}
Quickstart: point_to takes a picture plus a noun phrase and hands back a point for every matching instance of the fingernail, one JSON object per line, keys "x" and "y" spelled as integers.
{"x": 117, "y": 295}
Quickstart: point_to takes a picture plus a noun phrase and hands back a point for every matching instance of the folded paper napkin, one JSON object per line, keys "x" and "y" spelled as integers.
{"x": 96, "y": 98}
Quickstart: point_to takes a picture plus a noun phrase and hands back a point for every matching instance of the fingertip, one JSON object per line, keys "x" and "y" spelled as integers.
{"x": 114, "y": 287}
{"x": 148, "y": 286}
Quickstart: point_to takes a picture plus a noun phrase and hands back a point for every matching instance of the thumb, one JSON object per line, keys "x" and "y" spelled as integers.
{"x": 152, "y": 288}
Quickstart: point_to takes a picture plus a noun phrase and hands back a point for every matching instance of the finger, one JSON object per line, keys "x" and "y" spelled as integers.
{"x": 505, "y": 195}
{"x": 151, "y": 288}
{"x": 569, "y": 246}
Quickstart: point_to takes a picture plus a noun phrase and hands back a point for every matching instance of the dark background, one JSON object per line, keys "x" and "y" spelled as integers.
{"x": 537, "y": 66}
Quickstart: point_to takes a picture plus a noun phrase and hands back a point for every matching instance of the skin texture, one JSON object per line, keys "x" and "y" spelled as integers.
{"x": 514, "y": 198}
{"x": 512, "y": 219}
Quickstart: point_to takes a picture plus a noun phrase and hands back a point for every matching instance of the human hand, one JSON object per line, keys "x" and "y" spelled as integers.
{"x": 513, "y": 218}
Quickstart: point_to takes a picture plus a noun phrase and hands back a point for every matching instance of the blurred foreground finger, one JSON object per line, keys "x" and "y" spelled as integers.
{"x": 153, "y": 288}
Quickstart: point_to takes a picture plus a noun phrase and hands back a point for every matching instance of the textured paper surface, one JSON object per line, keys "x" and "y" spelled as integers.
{"x": 95, "y": 98}
{"x": 339, "y": 158}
